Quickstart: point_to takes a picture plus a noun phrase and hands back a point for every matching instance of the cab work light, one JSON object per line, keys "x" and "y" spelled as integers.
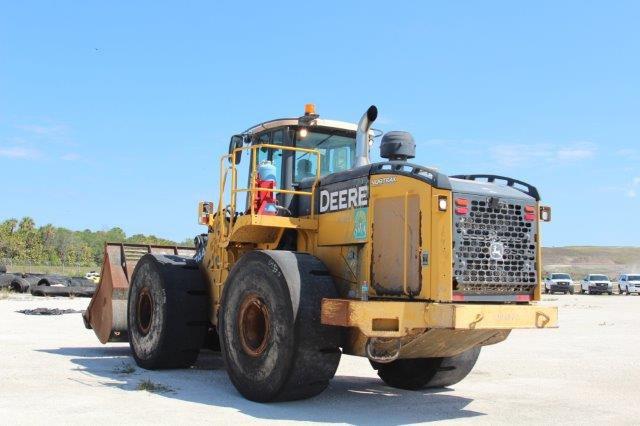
{"x": 442, "y": 203}
{"x": 545, "y": 213}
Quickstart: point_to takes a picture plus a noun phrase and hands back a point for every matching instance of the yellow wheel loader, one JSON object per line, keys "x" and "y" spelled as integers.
{"x": 313, "y": 251}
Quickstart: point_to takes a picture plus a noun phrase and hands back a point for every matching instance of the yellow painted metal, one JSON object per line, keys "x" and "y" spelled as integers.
{"x": 441, "y": 257}
{"x": 435, "y": 231}
{"x": 265, "y": 228}
{"x": 537, "y": 292}
{"x": 411, "y": 315}
{"x": 338, "y": 228}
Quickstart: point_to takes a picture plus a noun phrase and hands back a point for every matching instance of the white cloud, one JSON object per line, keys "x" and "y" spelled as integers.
{"x": 42, "y": 139}
{"x": 581, "y": 151}
{"x": 535, "y": 155}
{"x": 48, "y": 130}
{"x": 19, "y": 152}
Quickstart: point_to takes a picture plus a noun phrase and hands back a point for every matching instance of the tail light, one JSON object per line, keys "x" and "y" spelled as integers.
{"x": 462, "y": 206}
{"x": 529, "y": 213}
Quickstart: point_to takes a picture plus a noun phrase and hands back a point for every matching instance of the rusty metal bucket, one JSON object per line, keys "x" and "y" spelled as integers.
{"x": 107, "y": 310}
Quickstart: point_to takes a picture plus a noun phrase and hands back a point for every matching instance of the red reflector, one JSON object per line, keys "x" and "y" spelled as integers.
{"x": 529, "y": 209}
{"x": 529, "y": 217}
{"x": 461, "y": 210}
{"x": 462, "y": 202}
{"x": 457, "y": 297}
{"x": 523, "y": 297}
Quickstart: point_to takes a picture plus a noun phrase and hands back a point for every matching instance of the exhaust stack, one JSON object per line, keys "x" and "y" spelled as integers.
{"x": 362, "y": 136}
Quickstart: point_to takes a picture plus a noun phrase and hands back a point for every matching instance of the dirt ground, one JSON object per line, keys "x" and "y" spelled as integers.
{"x": 53, "y": 370}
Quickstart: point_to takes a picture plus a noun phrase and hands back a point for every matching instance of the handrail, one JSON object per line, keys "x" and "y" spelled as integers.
{"x": 225, "y": 169}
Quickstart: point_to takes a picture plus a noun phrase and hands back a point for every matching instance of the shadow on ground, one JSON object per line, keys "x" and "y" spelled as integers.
{"x": 349, "y": 399}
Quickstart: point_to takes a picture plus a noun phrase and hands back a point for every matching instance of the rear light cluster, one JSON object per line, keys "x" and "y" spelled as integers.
{"x": 462, "y": 206}
{"x": 529, "y": 213}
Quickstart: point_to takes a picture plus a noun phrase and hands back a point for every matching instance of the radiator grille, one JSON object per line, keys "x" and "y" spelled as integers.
{"x": 498, "y": 226}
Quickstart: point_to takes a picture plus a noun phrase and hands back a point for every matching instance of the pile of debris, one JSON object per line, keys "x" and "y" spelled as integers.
{"x": 49, "y": 311}
{"x": 46, "y": 284}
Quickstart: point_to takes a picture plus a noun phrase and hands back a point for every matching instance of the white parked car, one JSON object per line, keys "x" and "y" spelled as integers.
{"x": 93, "y": 276}
{"x": 596, "y": 284}
{"x": 629, "y": 283}
{"x": 557, "y": 282}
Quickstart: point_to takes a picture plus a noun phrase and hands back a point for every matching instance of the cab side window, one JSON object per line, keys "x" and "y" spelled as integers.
{"x": 268, "y": 154}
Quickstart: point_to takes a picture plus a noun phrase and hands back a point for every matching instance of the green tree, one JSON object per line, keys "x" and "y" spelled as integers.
{"x": 23, "y": 241}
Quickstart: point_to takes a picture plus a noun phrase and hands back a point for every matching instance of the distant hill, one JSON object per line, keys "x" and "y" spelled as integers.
{"x": 581, "y": 260}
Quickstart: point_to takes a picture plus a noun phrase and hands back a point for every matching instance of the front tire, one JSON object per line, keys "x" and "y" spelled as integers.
{"x": 420, "y": 373}
{"x": 272, "y": 341}
{"x": 166, "y": 312}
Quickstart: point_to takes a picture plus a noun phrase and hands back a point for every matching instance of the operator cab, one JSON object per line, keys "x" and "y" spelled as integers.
{"x": 335, "y": 141}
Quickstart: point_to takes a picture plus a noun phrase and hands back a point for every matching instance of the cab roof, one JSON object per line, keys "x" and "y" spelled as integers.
{"x": 320, "y": 122}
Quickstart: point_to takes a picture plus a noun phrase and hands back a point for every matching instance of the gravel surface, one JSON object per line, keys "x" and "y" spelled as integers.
{"x": 53, "y": 370}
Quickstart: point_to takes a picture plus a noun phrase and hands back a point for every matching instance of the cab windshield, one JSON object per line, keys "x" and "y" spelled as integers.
{"x": 598, "y": 278}
{"x": 560, "y": 277}
{"x": 633, "y": 278}
{"x": 337, "y": 152}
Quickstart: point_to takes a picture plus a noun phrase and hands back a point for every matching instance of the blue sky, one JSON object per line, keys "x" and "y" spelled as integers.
{"x": 115, "y": 113}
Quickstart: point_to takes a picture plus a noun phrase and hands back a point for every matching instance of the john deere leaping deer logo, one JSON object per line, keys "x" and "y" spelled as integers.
{"x": 360, "y": 223}
{"x": 496, "y": 250}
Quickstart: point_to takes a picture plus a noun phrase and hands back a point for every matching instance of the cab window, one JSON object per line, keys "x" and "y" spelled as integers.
{"x": 337, "y": 152}
{"x": 268, "y": 154}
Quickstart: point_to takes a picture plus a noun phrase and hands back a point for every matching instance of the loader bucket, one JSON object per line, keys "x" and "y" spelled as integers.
{"x": 107, "y": 310}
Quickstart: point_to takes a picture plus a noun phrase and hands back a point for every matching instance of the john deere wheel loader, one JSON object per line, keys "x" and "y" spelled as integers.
{"x": 312, "y": 251}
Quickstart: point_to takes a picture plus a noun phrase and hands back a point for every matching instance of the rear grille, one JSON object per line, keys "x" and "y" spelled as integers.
{"x": 499, "y": 226}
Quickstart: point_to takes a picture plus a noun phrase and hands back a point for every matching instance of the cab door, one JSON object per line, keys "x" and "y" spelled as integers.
{"x": 276, "y": 156}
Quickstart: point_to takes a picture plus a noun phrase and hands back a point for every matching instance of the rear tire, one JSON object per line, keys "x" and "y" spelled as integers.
{"x": 167, "y": 312}
{"x": 421, "y": 373}
{"x": 271, "y": 338}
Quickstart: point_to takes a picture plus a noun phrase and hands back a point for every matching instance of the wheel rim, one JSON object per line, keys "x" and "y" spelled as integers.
{"x": 144, "y": 311}
{"x": 253, "y": 325}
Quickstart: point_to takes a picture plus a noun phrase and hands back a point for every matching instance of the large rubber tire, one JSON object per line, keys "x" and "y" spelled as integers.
{"x": 19, "y": 285}
{"x": 53, "y": 280}
{"x": 5, "y": 280}
{"x": 421, "y": 373}
{"x": 167, "y": 312}
{"x": 272, "y": 341}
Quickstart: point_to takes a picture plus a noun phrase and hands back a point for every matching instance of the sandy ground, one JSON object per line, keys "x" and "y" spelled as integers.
{"x": 53, "y": 370}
